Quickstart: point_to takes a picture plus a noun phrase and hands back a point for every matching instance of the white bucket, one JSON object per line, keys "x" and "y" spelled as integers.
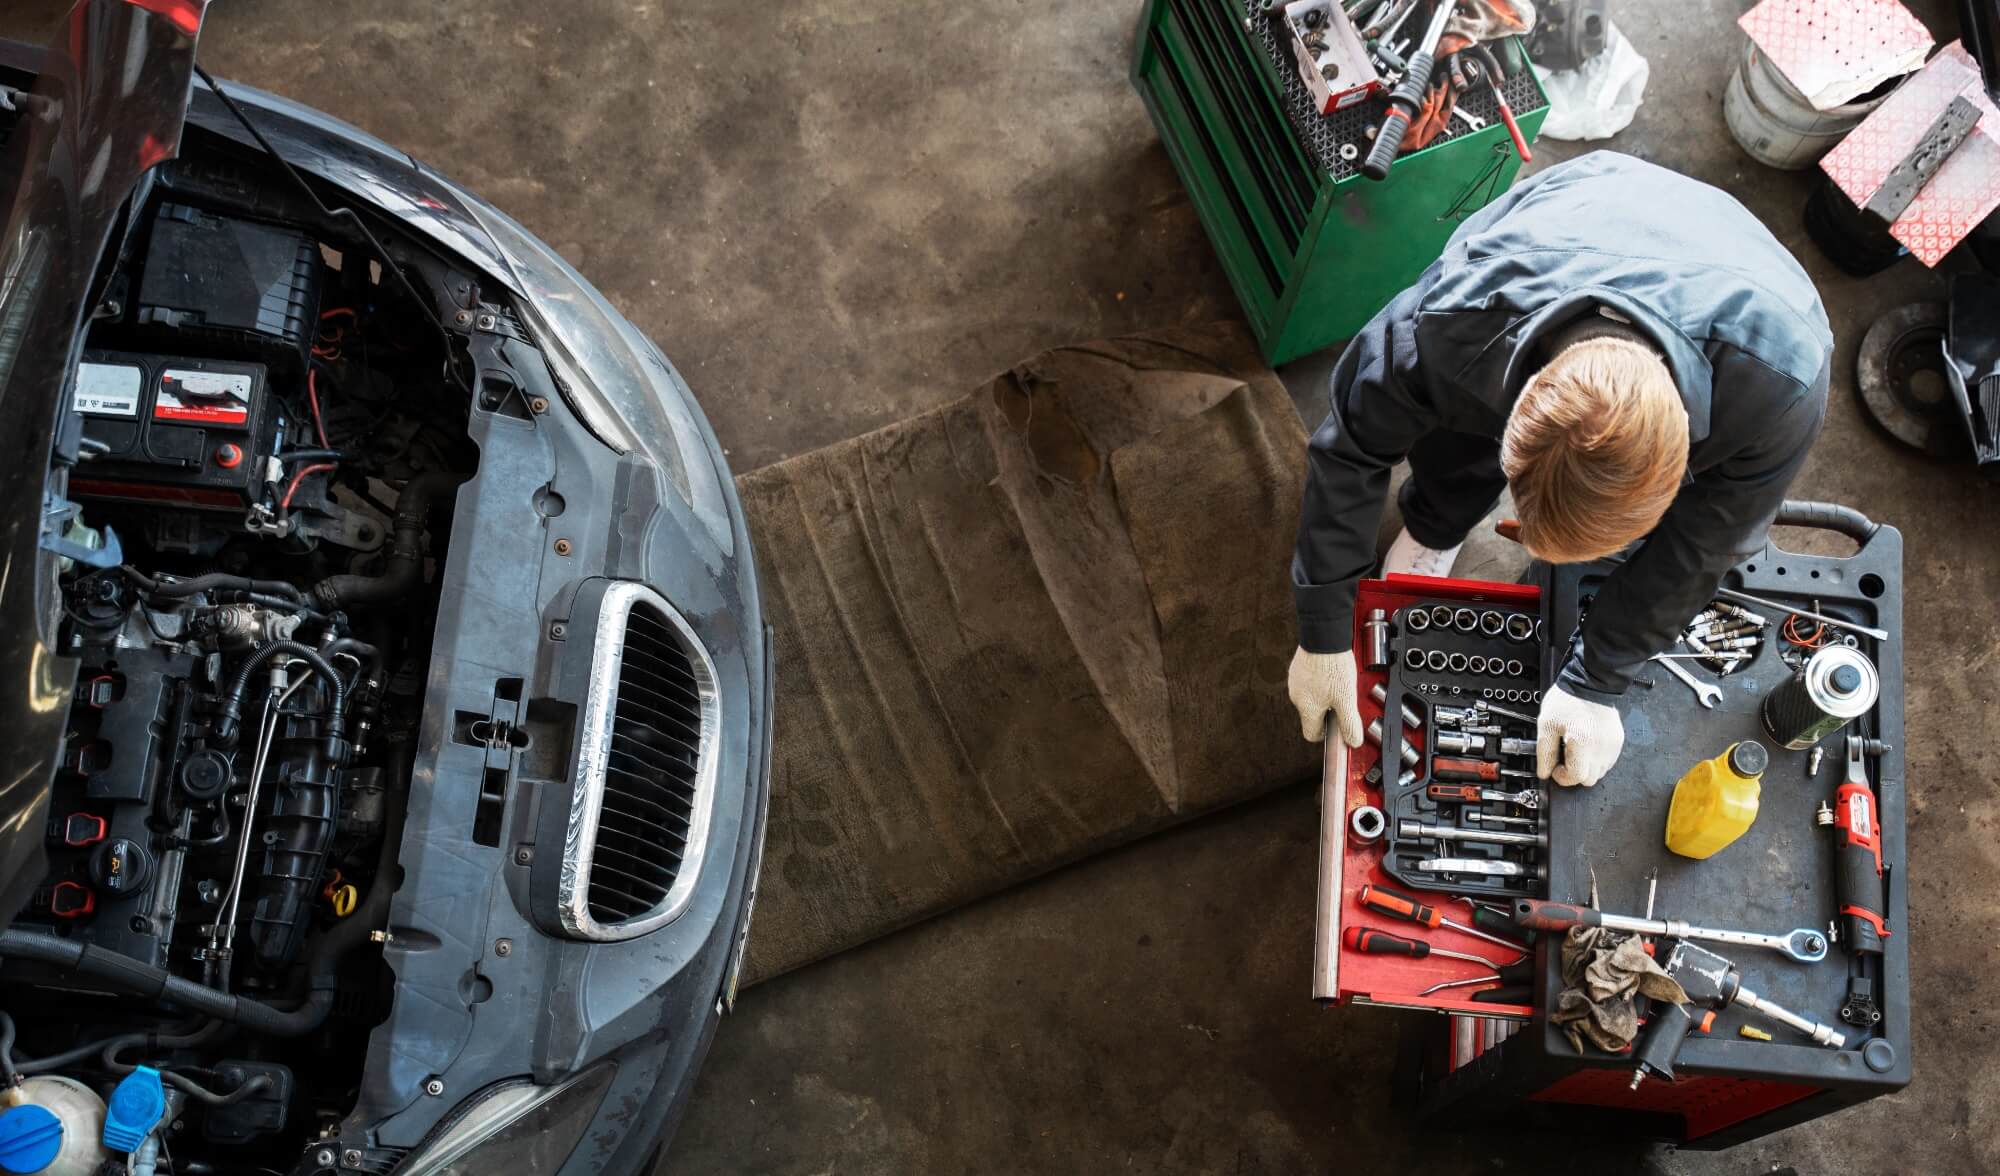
{"x": 1775, "y": 123}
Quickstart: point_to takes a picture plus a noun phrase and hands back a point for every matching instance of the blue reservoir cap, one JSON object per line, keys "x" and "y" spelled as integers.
{"x": 30, "y": 1137}
{"x": 136, "y": 1107}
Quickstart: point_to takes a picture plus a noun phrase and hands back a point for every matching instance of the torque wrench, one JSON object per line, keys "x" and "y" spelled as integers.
{"x": 1805, "y": 945}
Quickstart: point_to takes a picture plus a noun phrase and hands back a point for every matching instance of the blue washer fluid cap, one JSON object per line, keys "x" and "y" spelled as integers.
{"x": 136, "y": 1107}
{"x": 30, "y": 1137}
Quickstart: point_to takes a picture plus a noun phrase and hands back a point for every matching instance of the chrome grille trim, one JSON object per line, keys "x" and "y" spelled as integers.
{"x": 594, "y": 766}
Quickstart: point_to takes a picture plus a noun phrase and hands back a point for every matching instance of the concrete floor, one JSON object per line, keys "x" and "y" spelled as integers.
{"x": 834, "y": 213}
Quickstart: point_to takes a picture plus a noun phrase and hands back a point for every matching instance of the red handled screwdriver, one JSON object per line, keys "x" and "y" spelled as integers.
{"x": 1383, "y": 900}
{"x": 1374, "y": 942}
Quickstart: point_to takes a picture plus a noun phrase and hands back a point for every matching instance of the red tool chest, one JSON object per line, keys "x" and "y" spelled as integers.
{"x": 1483, "y": 1064}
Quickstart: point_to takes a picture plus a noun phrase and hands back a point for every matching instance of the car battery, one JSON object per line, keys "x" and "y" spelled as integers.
{"x": 1727, "y": 1085}
{"x": 189, "y": 432}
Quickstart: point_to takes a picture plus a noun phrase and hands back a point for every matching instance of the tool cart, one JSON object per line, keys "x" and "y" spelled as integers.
{"x": 1791, "y": 946}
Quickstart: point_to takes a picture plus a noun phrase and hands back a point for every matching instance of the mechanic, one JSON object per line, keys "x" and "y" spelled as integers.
{"x": 1629, "y": 352}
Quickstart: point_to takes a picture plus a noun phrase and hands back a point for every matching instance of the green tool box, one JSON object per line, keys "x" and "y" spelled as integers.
{"x": 1312, "y": 248}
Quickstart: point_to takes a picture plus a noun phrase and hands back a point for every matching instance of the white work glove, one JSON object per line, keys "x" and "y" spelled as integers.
{"x": 1322, "y": 682}
{"x": 1588, "y": 735}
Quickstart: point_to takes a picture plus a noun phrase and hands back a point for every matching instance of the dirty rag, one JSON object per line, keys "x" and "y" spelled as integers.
{"x": 1604, "y": 973}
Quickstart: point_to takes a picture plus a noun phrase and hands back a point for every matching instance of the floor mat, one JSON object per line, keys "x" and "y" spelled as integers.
{"x": 1033, "y": 624}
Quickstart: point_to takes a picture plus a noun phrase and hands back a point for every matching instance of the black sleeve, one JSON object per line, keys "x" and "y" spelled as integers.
{"x": 1716, "y": 520}
{"x": 1378, "y": 408}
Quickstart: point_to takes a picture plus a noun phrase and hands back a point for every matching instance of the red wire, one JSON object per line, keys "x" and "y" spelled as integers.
{"x": 312, "y": 395}
{"x": 337, "y": 312}
{"x": 304, "y": 472}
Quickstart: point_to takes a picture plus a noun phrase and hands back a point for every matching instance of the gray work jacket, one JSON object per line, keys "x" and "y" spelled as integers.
{"x": 1736, "y": 317}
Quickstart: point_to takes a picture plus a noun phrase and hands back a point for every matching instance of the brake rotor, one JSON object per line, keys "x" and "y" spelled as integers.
{"x": 1904, "y": 382}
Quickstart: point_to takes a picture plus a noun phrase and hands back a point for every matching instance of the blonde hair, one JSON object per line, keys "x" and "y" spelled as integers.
{"x": 1594, "y": 450}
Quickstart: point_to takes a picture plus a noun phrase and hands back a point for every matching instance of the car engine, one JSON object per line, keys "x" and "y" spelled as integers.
{"x": 266, "y": 436}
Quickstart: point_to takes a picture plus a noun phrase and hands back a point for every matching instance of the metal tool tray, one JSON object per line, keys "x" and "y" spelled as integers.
{"x": 1776, "y": 877}
{"x": 1410, "y": 802}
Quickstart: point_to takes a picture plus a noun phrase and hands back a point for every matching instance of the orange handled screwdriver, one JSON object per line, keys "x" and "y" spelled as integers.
{"x": 1374, "y": 942}
{"x": 1385, "y": 901}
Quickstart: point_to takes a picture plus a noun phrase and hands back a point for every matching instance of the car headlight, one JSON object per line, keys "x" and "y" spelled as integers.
{"x": 625, "y": 391}
{"x": 515, "y": 1127}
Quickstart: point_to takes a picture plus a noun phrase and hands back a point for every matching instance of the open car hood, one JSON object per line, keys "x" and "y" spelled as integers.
{"x": 108, "y": 108}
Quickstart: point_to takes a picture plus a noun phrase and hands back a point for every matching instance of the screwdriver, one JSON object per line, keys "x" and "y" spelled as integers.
{"x": 1447, "y": 768}
{"x": 1375, "y": 942}
{"x": 1387, "y": 901}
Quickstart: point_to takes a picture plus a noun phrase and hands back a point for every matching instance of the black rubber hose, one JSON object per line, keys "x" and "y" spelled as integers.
{"x": 7, "y": 1070}
{"x": 129, "y": 975}
{"x": 405, "y": 569}
{"x": 194, "y": 584}
{"x": 232, "y": 702}
{"x": 1830, "y": 516}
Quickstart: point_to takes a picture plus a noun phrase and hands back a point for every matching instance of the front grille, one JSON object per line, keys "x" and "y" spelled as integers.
{"x": 646, "y": 770}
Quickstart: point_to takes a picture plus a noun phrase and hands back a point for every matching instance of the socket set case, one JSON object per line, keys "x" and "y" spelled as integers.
{"x": 1347, "y": 975}
{"x": 1484, "y": 651}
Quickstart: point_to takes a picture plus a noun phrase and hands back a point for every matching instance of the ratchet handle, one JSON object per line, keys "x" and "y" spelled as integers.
{"x": 1537, "y": 915}
{"x": 1403, "y": 103}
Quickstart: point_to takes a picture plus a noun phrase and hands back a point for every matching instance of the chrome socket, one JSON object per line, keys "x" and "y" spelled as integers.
{"x": 1465, "y": 620}
{"x": 1413, "y": 659}
{"x": 1476, "y": 663}
{"x": 1491, "y": 623}
{"x": 1520, "y": 627}
{"x": 1435, "y": 661}
{"x": 1416, "y": 620}
{"x": 1440, "y": 616}
{"x": 1456, "y": 662}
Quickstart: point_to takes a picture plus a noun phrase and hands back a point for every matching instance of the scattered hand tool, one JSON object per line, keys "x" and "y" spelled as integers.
{"x": 1706, "y": 693}
{"x": 1418, "y": 830}
{"x": 1375, "y": 942}
{"x": 1519, "y": 975}
{"x": 1380, "y": 694}
{"x": 1488, "y": 69}
{"x": 1447, "y": 768}
{"x": 1712, "y": 984}
{"x": 1410, "y": 757}
{"x": 1805, "y": 945}
{"x": 1503, "y": 712}
{"x": 1857, "y": 878}
{"x": 1836, "y": 622}
{"x": 1395, "y": 903}
{"x": 1408, "y": 95}
{"x": 1527, "y": 798}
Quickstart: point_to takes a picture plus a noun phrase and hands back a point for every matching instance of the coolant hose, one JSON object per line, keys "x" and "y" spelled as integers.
{"x": 405, "y": 569}
{"x": 213, "y": 580}
{"x": 129, "y": 975}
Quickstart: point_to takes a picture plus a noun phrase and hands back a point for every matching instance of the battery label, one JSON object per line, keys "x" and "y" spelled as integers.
{"x": 107, "y": 389}
{"x": 207, "y": 398}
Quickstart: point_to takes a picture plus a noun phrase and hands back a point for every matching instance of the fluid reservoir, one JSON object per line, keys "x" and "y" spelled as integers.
{"x": 55, "y": 1129}
{"x": 1716, "y": 801}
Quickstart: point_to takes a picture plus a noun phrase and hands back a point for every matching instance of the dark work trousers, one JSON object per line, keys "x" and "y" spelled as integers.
{"x": 1455, "y": 479}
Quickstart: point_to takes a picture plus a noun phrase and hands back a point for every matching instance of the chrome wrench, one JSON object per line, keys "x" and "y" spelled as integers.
{"x": 1805, "y": 945}
{"x": 1705, "y": 693}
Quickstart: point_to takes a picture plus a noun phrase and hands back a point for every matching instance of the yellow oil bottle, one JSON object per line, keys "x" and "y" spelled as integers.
{"x": 1716, "y": 801}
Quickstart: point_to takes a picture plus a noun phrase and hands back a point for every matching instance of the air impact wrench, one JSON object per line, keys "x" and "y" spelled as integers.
{"x": 1407, "y": 96}
{"x": 1712, "y": 984}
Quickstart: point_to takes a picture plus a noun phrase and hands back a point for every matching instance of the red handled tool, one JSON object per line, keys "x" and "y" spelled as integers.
{"x": 1514, "y": 976}
{"x": 1858, "y": 852}
{"x": 1374, "y": 942}
{"x": 1385, "y": 901}
{"x": 1448, "y": 768}
{"x": 1490, "y": 67}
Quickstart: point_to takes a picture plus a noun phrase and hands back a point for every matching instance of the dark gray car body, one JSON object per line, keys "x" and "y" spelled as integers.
{"x": 484, "y": 995}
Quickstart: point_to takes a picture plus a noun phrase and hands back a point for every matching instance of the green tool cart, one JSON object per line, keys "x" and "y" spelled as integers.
{"x": 1312, "y": 249}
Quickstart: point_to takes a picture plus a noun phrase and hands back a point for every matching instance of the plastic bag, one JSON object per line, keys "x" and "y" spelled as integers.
{"x": 1599, "y": 98}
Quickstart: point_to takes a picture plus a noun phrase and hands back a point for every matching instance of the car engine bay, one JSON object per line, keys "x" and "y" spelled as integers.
{"x": 263, "y": 448}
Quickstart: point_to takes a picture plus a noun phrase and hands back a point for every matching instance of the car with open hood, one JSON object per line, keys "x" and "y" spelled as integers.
{"x": 388, "y": 713}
